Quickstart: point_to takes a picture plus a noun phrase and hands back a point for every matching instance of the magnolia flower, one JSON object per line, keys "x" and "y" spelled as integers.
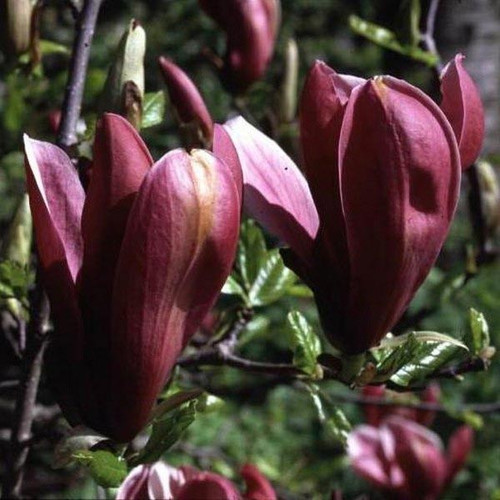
{"x": 161, "y": 481}
{"x": 131, "y": 267}
{"x": 251, "y": 27}
{"x": 407, "y": 460}
{"x": 383, "y": 172}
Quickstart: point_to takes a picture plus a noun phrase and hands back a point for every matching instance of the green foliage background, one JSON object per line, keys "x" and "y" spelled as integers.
{"x": 274, "y": 426}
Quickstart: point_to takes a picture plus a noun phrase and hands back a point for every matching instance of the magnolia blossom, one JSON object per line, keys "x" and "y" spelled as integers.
{"x": 407, "y": 460}
{"x": 383, "y": 172}
{"x": 160, "y": 481}
{"x": 251, "y": 27}
{"x": 131, "y": 267}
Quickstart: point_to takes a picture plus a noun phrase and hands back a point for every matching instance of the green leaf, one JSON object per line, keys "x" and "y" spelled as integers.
{"x": 49, "y": 47}
{"x": 300, "y": 291}
{"x": 330, "y": 415}
{"x": 251, "y": 253}
{"x": 411, "y": 357}
{"x": 306, "y": 344}
{"x": 153, "y": 109}
{"x": 175, "y": 400}
{"x": 408, "y": 22}
{"x": 15, "y": 279}
{"x": 272, "y": 281}
{"x": 478, "y": 336}
{"x": 232, "y": 287}
{"x": 166, "y": 432}
{"x": 387, "y": 39}
{"x": 106, "y": 469}
{"x": 80, "y": 439}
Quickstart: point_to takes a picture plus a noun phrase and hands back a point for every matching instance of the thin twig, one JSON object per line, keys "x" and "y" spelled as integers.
{"x": 428, "y": 36}
{"x": 37, "y": 328}
{"x": 72, "y": 104}
{"x": 437, "y": 407}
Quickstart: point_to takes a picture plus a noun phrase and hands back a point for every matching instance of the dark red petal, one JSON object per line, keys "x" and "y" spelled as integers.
{"x": 463, "y": 107}
{"x": 460, "y": 445}
{"x": 258, "y": 486}
{"x": 177, "y": 252}
{"x": 208, "y": 486}
{"x": 399, "y": 176}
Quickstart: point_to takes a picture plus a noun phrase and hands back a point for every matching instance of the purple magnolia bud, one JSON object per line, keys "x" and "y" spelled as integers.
{"x": 463, "y": 107}
{"x": 192, "y": 113}
{"x": 251, "y": 28}
{"x": 123, "y": 267}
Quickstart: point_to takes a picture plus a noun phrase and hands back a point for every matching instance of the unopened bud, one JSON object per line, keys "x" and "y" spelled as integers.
{"x": 195, "y": 122}
{"x": 17, "y": 243}
{"x": 124, "y": 88}
{"x": 15, "y": 24}
{"x": 490, "y": 196}
{"x": 288, "y": 108}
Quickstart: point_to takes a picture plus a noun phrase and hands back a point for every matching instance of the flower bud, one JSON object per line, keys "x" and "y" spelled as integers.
{"x": 251, "y": 28}
{"x": 288, "y": 104}
{"x": 463, "y": 107}
{"x": 16, "y": 26}
{"x": 124, "y": 88}
{"x": 195, "y": 121}
{"x": 490, "y": 197}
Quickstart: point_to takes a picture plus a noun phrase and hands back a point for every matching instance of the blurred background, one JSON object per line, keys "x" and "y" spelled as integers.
{"x": 263, "y": 421}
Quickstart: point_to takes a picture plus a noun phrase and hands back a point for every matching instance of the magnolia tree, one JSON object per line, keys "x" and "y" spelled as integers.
{"x": 322, "y": 224}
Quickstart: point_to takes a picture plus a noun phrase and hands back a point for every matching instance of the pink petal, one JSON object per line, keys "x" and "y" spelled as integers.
{"x": 400, "y": 175}
{"x": 431, "y": 394}
{"x": 208, "y": 486}
{"x": 178, "y": 250}
{"x": 135, "y": 485}
{"x": 186, "y": 99}
{"x": 258, "y": 486}
{"x": 370, "y": 455}
{"x": 459, "y": 446}
{"x": 164, "y": 481}
{"x": 275, "y": 192}
{"x": 463, "y": 107}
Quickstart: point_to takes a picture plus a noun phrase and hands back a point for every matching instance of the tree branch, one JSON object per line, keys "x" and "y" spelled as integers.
{"x": 40, "y": 311}
{"x": 428, "y": 36}
{"x": 72, "y": 104}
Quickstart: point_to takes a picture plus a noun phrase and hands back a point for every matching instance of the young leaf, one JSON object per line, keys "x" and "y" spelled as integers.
{"x": 411, "y": 357}
{"x": 478, "y": 336}
{"x": 331, "y": 416}
{"x": 15, "y": 280}
{"x": 251, "y": 252}
{"x": 81, "y": 439}
{"x": 153, "y": 109}
{"x": 166, "y": 432}
{"x": 387, "y": 39}
{"x": 232, "y": 287}
{"x": 307, "y": 346}
{"x": 106, "y": 469}
{"x": 272, "y": 281}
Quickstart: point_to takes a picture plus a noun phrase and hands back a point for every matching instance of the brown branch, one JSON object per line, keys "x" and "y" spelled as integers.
{"x": 37, "y": 328}
{"x": 72, "y": 104}
{"x": 437, "y": 407}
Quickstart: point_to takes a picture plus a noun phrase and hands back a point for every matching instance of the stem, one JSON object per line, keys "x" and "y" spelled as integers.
{"x": 428, "y": 36}
{"x": 72, "y": 104}
{"x": 40, "y": 311}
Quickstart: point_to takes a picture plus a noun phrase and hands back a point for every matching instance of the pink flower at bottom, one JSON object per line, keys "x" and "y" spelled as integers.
{"x": 160, "y": 481}
{"x": 406, "y": 459}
